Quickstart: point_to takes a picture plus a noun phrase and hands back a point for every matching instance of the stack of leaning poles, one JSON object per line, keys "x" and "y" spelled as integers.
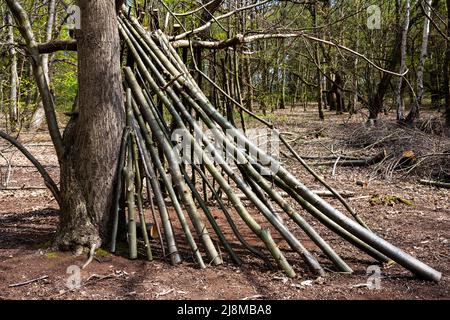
{"x": 158, "y": 77}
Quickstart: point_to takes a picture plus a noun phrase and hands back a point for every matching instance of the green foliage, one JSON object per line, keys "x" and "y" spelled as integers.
{"x": 276, "y": 65}
{"x": 65, "y": 81}
{"x": 389, "y": 200}
{"x": 101, "y": 253}
{"x": 51, "y": 255}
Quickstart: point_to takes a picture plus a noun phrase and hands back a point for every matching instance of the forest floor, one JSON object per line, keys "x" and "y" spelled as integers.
{"x": 29, "y": 215}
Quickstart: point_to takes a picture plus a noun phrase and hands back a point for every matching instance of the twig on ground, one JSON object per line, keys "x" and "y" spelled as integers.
{"x": 256, "y": 296}
{"x": 164, "y": 293}
{"x": 28, "y": 282}
{"x": 335, "y": 166}
{"x": 438, "y": 184}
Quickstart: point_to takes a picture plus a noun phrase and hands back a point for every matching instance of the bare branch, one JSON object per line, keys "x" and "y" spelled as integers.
{"x": 47, "y": 100}
{"x": 241, "y": 39}
{"x": 51, "y": 185}
{"x": 203, "y": 6}
{"x": 354, "y": 53}
{"x": 57, "y": 45}
{"x": 215, "y": 19}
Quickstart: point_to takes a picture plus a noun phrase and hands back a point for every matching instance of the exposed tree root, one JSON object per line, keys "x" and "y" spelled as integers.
{"x": 91, "y": 256}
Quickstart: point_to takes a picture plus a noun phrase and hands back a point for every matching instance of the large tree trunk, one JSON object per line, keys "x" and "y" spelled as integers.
{"x": 92, "y": 138}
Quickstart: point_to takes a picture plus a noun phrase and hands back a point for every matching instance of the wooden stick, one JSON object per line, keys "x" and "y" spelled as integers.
{"x": 362, "y": 162}
{"x": 438, "y": 184}
{"x": 51, "y": 185}
{"x": 119, "y": 188}
{"x": 320, "y": 193}
{"x": 27, "y": 282}
{"x": 140, "y": 207}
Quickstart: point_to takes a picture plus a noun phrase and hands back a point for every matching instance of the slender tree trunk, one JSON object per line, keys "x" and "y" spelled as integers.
{"x": 26, "y": 31}
{"x": 248, "y": 83}
{"x": 247, "y": 66}
{"x": 92, "y": 138}
{"x": 48, "y": 36}
{"x": 376, "y": 100}
{"x": 447, "y": 71}
{"x": 30, "y": 93}
{"x": 398, "y": 93}
{"x": 283, "y": 88}
{"x": 294, "y": 99}
{"x": 39, "y": 114}
{"x": 415, "y": 107}
{"x": 317, "y": 58}
{"x": 13, "y": 109}
{"x": 354, "y": 101}
{"x": 228, "y": 105}
{"x": 2, "y": 105}
{"x": 264, "y": 80}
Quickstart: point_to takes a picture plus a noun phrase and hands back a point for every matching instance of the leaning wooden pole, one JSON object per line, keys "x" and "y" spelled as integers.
{"x": 262, "y": 233}
{"x": 162, "y": 70}
{"x": 139, "y": 202}
{"x": 128, "y": 173}
{"x": 292, "y": 240}
{"x": 119, "y": 188}
{"x": 177, "y": 179}
{"x": 364, "y": 234}
{"x": 152, "y": 158}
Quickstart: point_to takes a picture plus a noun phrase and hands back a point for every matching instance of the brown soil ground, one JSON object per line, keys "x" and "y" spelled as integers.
{"x": 28, "y": 219}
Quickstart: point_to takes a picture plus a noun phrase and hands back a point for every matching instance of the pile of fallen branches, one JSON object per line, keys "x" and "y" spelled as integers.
{"x": 392, "y": 149}
{"x": 163, "y": 96}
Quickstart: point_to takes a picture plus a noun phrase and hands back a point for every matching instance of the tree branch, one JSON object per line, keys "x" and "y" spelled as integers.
{"x": 50, "y": 184}
{"x": 210, "y": 7}
{"x": 208, "y": 24}
{"x": 237, "y": 40}
{"x": 57, "y": 45}
{"x": 241, "y": 39}
{"x": 47, "y": 99}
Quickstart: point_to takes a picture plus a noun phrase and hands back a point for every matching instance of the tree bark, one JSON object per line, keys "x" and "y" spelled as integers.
{"x": 398, "y": 93}
{"x": 354, "y": 99}
{"x": 26, "y": 31}
{"x": 283, "y": 87}
{"x": 48, "y": 36}
{"x": 447, "y": 71}
{"x": 92, "y": 138}
{"x": 39, "y": 114}
{"x": 317, "y": 58}
{"x": 248, "y": 83}
{"x": 13, "y": 111}
{"x": 376, "y": 100}
{"x": 421, "y": 68}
